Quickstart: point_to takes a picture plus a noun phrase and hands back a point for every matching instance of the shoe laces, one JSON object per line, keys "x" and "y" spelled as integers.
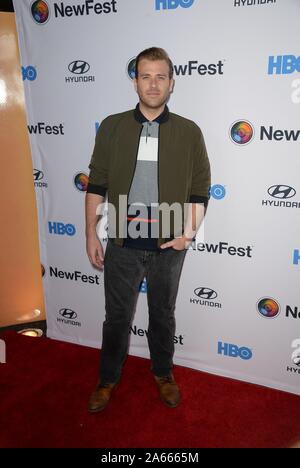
{"x": 166, "y": 379}
{"x": 104, "y": 385}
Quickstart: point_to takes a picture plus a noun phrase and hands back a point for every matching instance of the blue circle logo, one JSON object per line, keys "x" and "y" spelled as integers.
{"x": 218, "y": 191}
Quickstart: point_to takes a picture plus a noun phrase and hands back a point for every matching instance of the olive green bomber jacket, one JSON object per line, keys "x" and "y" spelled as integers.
{"x": 183, "y": 164}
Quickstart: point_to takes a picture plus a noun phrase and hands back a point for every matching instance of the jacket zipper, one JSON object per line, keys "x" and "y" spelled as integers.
{"x": 158, "y": 192}
{"x": 137, "y": 151}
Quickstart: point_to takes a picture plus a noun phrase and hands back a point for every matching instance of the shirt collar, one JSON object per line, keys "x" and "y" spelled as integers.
{"x": 163, "y": 117}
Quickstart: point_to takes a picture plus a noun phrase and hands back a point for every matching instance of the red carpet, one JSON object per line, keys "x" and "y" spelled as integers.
{"x": 45, "y": 385}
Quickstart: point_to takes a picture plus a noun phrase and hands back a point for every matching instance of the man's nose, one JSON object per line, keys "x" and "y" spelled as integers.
{"x": 153, "y": 83}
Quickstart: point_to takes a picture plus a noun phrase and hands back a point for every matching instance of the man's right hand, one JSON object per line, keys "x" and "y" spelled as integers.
{"x": 95, "y": 251}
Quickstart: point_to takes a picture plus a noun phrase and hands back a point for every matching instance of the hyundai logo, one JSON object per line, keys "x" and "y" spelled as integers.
{"x": 281, "y": 191}
{"x": 78, "y": 67}
{"x": 206, "y": 293}
{"x": 68, "y": 313}
{"x": 37, "y": 174}
{"x": 296, "y": 360}
{"x": 296, "y": 353}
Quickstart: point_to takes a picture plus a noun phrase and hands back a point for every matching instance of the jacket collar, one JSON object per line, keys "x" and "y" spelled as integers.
{"x": 163, "y": 117}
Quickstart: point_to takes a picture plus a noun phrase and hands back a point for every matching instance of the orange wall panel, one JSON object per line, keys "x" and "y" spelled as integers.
{"x": 21, "y": 289}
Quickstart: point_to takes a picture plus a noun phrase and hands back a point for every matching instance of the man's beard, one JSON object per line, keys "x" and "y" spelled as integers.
{"x": 156, "y": 105}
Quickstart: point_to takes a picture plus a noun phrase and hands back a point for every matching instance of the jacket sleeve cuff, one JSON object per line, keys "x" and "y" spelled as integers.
{"x": 97, "y": 189}
{"x": 198, "y": 199}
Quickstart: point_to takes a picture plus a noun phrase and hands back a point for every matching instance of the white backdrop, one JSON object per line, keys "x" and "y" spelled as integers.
{"x": 237, "y": 76}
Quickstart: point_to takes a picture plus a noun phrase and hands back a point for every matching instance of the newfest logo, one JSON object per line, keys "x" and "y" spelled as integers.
{"x": 192, "y": 67}
{"x": 81, "y": 181}
{"x": 40, "y": 10}
{"x": 281, "y": 196}
{"x": 222, "y": 248}
{"x": 195, "y": 67}
{"x": 41, "y": 128}
{"x": 2, "y": 352}
{"x": 292, "y": 312}
{"x": 79, "y": 70}
{"x": 270, "y": 134}
{"x": 242, "y": 132}
{"x": 76, "y": 276}
{"x": 269, "y": 308}
{"x": 130, "y": 68}
{"x": 177, "y": 339}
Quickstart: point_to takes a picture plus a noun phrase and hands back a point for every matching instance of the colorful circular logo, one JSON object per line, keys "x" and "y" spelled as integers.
{"x": 40, "y": 11}
{"x": 131, "y": 68}
{"x": 268, "y": 307}
{"x": 241, "y": 132}
{"x": 81, "y": 181}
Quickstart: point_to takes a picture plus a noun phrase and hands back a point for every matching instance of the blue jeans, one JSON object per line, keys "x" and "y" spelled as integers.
{"x": 124, "y": 270}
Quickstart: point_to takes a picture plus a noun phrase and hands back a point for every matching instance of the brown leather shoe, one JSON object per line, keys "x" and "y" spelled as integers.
{"x": 100, "y": 397}
{"x": 168, "y": 390}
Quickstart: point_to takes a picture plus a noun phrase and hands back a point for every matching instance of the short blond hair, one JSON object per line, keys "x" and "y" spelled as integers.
{"x": 154, "y": 53}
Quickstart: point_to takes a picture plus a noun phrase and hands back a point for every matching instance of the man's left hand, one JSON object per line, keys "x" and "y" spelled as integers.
{"x": 180, "y": 243}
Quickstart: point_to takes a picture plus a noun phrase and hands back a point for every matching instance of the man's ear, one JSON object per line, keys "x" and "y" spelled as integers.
{"x": 135, "y": 83}
{"x": 172, "y": 84}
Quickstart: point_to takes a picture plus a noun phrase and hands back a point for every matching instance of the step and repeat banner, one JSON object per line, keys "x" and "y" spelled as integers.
{"x": 237, "y": 75}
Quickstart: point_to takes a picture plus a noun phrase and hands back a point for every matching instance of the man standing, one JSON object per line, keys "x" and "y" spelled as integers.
{"x": 157, "y": 161}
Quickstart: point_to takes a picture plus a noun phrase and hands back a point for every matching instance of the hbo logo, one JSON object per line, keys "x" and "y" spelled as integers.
{"x": 172, "y": 4}
{"x": 232, "y": 350}
{"x": 61, "y": 229}
{"x": 29, "y": 73}
{"x": 283, "y": 64}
